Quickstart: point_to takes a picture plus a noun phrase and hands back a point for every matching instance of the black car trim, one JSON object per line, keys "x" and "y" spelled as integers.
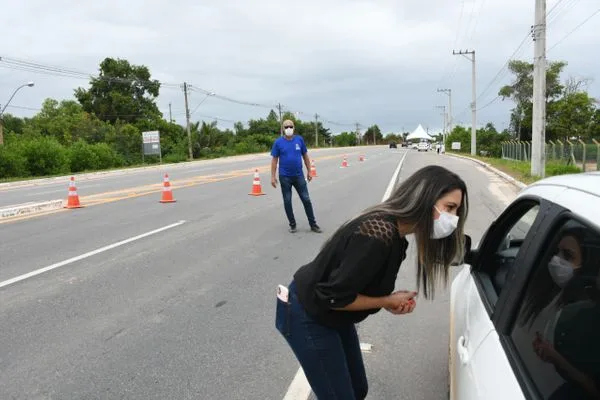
{"x": 508, "y": 306}
{"x": 491, "y": 239}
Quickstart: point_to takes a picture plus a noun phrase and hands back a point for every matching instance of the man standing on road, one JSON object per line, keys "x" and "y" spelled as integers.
{"x": 289, "y": 151}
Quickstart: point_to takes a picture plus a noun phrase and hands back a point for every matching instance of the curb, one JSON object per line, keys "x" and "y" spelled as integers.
{"x": 31, "y": 208}
{"x": 501, "y": 174}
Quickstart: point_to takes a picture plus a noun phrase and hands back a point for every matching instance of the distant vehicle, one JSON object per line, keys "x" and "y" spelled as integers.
{"x": 525, "y": 306}
{"x": 423, "y": 146}
{"x": 393, "y": 145}
{"x": 404, "y": 144}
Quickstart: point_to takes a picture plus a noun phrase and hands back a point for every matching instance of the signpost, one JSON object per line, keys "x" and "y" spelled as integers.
{"x": 151, "y": 144}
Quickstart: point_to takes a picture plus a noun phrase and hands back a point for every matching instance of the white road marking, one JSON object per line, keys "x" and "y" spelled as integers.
{"x": 300, "y": 389}
{"x": 366, "y": 347}
{"x": 86, "y": 255}
{"x": 392, "y": 184}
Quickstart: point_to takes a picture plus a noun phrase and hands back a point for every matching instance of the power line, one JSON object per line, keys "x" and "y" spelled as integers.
{"x": 504, "y": 67}
{"x": 575, "y": 29}
{"x": 560, "y": 12}
{"x": 39, "y": 68}
{"x": 489, "y": 104}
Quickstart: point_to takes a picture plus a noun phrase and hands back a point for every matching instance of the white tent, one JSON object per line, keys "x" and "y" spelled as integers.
{"x": 419, "y": 133}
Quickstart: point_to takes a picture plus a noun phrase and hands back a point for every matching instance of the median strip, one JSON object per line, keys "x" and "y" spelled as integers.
{"x": 21, "y": 210}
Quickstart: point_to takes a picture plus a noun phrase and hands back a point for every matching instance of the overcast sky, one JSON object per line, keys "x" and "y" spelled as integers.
{"x": 370, "y": 61}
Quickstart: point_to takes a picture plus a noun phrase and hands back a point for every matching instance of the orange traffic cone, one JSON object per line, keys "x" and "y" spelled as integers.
{"x": 345, "y": 162}
{"x": 256, "y": 187}
{"x": 167, "y": 193}
{"x": 73, "y": 199}
{"x": 361, "y": 158}
{"x": 313, "y": 169}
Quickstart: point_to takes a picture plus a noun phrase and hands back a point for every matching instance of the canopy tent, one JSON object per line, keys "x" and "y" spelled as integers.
{"x": 419, "y": 133}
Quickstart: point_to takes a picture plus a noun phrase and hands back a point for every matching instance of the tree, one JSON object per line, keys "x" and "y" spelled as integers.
{"x": 521, "y": 92}
{"x": 572, "y": 115}
{"x": 122, "y": 91}
{"x": 373, "y": 134}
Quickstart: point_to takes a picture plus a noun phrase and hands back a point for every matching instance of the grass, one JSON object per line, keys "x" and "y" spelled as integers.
{"x": 521, "y": 170}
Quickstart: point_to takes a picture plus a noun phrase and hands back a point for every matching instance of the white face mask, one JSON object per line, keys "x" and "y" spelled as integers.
{"x": 289, "y": 131}
{"x": 444, "y": 225}
{"x": 561, "y": 271}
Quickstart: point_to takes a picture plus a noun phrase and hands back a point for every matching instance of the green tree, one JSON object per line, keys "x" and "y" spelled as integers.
{"x": 520, "y": 91}
{"x": 122, "y": 91}
{"x": 373, "y": 135}
{"x": 571, "y": 115}
{"x": 345, "y": 139}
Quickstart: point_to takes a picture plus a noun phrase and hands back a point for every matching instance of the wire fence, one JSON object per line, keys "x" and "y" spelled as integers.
{"x": 585, "y": 156}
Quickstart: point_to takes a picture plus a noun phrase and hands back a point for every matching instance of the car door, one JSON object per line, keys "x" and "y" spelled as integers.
{"x": 475, "y": 346}
{"x": 550, "y": 323}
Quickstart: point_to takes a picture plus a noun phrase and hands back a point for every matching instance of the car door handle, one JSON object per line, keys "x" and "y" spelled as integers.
{"x": 462, "y": 351}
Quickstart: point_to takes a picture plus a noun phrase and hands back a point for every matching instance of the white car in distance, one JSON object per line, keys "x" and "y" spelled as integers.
{"x": 423, "y": 146}
{"x": 525, "y": 306}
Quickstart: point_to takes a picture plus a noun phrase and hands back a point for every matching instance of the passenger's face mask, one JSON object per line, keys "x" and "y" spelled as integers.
{"x": 561, "y": 271}
{"x": 445, "y": 225}
{"x": 289, "y": 132}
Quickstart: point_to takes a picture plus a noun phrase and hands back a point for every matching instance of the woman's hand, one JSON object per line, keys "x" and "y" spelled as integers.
{"x": 401, "y": 302}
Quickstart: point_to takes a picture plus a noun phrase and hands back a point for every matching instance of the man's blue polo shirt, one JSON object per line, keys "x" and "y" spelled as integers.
{"x": 290, "y": 154}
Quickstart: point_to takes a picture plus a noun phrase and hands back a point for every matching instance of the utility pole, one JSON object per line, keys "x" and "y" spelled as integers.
{"x": 316, "y": 130}
{"x": 443, "y": 108}
{"x": 187, "y": 118}
{"x": 1, "y": 126}
{"x": 280, "y": 120}
{"x": 170, "y": 114}
{"x": 474, "y": 103}
{"x": 538, "y": 134}
{"x": 357, "y": 133}
{"x": 449, "y": 93}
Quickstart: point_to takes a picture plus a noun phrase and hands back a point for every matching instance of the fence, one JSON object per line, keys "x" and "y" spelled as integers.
{"x": 585, "y": 156}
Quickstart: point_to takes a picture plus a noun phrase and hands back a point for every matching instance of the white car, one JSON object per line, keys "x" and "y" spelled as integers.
{"x": 525, "y": 308}
{"x": 423, "y": 146}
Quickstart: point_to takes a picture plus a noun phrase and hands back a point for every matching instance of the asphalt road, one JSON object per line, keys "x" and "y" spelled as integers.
{"x": 187, "y": 312}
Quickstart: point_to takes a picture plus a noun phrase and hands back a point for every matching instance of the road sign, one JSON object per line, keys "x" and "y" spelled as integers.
{"x": 151, "y": 143}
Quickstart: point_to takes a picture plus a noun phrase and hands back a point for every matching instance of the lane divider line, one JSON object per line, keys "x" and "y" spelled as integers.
{"x": 87, "y": 255}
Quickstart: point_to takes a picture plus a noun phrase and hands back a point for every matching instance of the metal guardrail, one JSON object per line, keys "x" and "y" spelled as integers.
{"x": 585, "y": 156}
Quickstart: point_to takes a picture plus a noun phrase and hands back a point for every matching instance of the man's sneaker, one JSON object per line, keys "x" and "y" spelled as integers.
{"x": 316, "y": 229}
{"x": 293, "y": 229}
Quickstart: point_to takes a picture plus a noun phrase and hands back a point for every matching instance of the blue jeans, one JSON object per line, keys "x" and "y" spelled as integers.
{"x": 331, "y": 358}
{"x": 298, "y": 182}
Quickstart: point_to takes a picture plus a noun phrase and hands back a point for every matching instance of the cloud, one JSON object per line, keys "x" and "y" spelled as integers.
{"x": 348, "y": 60}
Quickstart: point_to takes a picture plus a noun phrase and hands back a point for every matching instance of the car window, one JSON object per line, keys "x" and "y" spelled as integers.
{"x": 498, "y": 259}
{"x": 556, "y": 332}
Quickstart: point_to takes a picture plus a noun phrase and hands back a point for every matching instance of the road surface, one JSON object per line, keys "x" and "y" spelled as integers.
{"x": 130, "y": 298}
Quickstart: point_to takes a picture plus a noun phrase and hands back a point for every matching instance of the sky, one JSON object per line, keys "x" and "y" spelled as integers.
{"x": 367, "y": 61}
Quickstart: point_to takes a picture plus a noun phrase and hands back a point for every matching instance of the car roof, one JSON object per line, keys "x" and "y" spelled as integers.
{"x": 579, "y": 193}
{"x": 584, "y": 182}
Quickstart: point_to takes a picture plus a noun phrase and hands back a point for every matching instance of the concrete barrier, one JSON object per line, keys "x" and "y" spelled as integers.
{"x": 29, "y": 209}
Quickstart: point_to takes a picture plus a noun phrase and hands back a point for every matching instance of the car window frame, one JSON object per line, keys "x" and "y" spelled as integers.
{"x": 490, "y": 242}
{"x": 506, "y": 320}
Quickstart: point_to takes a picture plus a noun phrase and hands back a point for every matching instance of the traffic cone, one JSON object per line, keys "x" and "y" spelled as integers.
{"x": 345, "y": 162}
{"x": 361, "y": 158}
{"x": 167, "y": 193}
{"x": 313, "y": 169}
{"x": 73, "y": 198}
{"x": 256, "y": 187}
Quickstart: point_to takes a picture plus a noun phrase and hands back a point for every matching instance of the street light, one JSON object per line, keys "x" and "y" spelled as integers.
{"x": 28, "y": 84}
